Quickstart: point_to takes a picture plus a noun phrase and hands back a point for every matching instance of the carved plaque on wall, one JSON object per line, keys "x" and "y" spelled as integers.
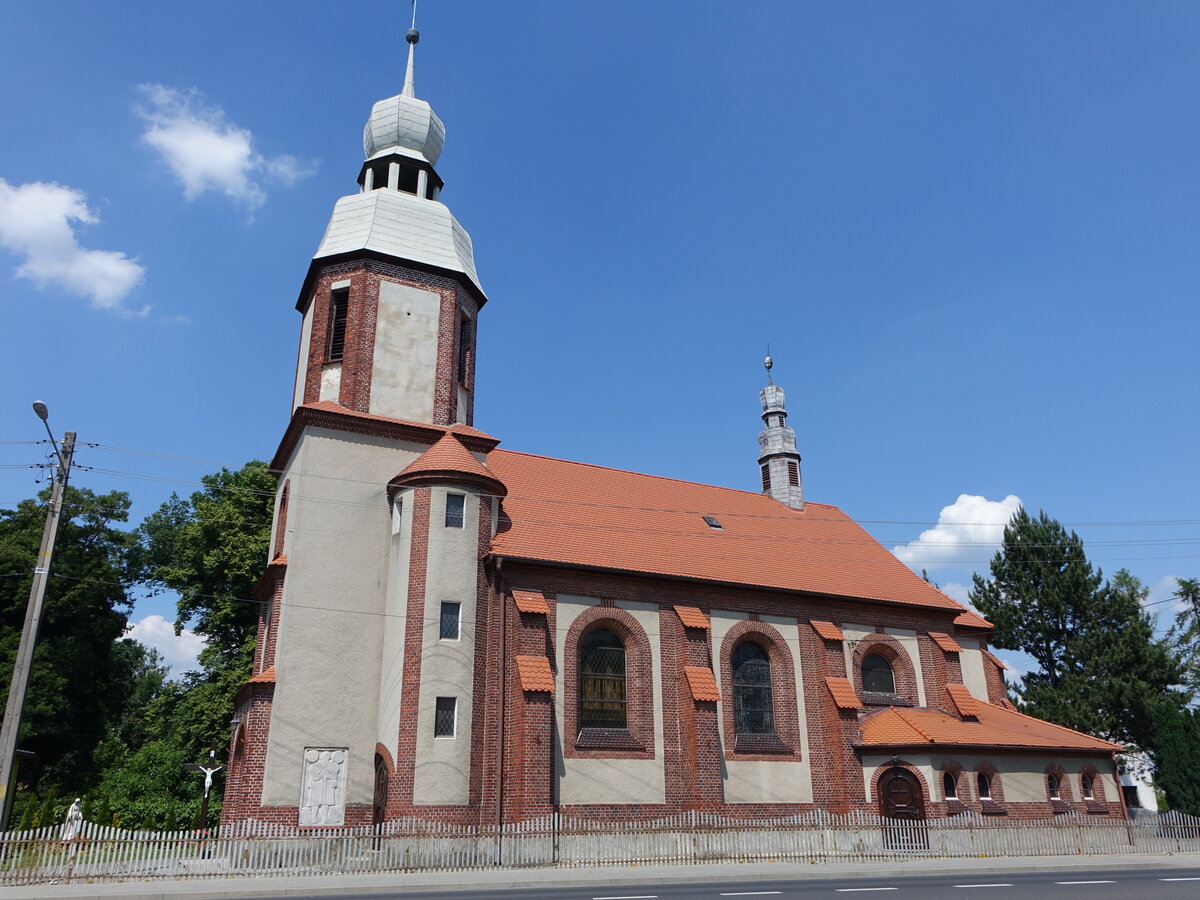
{"x": 323, "y": 786}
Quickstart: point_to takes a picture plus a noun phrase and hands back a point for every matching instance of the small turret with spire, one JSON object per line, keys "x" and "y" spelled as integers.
{"x": 778, "y": 460}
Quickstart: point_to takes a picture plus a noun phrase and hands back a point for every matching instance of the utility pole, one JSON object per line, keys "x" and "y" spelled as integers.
{"x": 15, "y": 708}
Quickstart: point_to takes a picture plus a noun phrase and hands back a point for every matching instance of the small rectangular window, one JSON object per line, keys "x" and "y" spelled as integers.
{"x": 793, "y": 473}
{"x": 712, "y": 522}
{"x": 451, "y": 616}
{"x": 339, "y": 303}
{"x": 766, "y": 476}
{"x": 454, "y": 510}
{"x": 444, "y": 716}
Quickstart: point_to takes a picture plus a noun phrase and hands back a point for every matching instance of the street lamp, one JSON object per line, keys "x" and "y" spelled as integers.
{"x": 15, "y": 708}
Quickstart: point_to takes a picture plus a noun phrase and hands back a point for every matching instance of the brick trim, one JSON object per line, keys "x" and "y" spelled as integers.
{"x": 903, "y": 673}
{"x": 785, "y": 709}
{"x": 639, "y": 690}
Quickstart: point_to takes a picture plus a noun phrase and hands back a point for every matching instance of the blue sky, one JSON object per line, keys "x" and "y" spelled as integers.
{"x": 968, "y": 232}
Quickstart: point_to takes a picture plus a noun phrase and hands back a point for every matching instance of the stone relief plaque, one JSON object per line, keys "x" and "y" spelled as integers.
{"x": 323, "y": 786}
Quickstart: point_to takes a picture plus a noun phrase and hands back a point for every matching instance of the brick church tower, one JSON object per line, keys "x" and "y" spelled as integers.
{"x": 368, "y": 626}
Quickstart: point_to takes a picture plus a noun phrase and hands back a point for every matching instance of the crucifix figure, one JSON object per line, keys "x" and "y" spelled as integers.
{"x": 209, "y": 768}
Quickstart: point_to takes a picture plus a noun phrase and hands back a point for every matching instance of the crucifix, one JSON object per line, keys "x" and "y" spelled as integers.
{"x": 209, "y": 768}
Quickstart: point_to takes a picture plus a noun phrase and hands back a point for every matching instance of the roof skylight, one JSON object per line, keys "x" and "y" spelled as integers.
{"x": 712, "y": 522}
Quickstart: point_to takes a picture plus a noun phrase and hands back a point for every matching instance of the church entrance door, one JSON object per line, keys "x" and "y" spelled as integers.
{"x": 902, "y": 805}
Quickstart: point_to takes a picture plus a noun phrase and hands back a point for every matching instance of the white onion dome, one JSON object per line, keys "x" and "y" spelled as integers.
{"x": 405, "y": 125}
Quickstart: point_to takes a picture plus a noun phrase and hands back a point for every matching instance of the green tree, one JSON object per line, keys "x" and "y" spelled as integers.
{"x": 1176, "y": 741}
{"x": 1100, "y": 669}
{"x": 211, "y": 549}
{"x": 1185, "y": 633}
{"x": 82, "y": 668}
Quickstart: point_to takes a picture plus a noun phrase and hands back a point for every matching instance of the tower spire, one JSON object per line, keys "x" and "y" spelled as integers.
{"x": 412, "y": 36}
{"x": 778, "y": 459}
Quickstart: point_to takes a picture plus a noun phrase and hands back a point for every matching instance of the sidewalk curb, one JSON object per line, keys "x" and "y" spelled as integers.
{"x": 213, "y": 888}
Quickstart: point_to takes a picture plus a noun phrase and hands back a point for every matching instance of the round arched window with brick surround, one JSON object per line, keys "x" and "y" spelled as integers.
{"x": 1088, "y": 784}
{"x": 602, "y": 689}
{"x": 753, "y": 708}
{"x": 983, "y": 783}
{"x": 877, "y": 677}
{"x": 949, "y": 786}
{"x": 1052, "y": 787}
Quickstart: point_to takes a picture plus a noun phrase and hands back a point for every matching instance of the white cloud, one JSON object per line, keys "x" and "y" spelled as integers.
{"x": 179, "y": 651}
{"x": 37, "y": 223}
{"x": 958, "y": 592}
{"x": 1162, "y": 593}
{"x": 970, "y": 528}
{"x": 207, "y": 152}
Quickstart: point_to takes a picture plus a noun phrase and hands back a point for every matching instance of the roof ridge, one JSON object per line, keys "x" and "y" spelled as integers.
{"x": 717, "y": 487}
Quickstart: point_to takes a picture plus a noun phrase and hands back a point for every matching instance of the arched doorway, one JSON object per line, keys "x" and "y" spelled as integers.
{"x": 379, "y": 803}
{"x": 902, "y": 805}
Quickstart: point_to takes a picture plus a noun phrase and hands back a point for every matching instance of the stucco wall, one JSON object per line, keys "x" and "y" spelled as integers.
{"x": 302, "y": 360}
{"x": 971, "y": 660}
{"x": 1022, "y": 779}
{"x": 442, "y": 775}
{"x": 608, "y": 781}
{"x": 395, "y": 624}
{"x": 405, "y": 352}
{"x": 330, "y": 634}
{"x": 763, "y": 781}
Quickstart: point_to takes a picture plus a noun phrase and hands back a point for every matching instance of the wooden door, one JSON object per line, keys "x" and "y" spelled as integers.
{"x": 902, "y": 805}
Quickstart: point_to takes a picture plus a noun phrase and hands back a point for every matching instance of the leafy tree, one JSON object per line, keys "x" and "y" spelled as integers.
{"x": 82, "y": 670}
{"x": 1100, "y": 669}
{"x": 146, "y": 788}
{"x": 211, "y": 548}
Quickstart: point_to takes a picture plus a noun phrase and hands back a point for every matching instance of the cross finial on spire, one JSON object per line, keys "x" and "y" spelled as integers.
{"x": 412, "y": 36}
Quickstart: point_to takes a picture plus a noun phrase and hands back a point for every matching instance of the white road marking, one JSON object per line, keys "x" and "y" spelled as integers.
{"x": 997, "y": 884}
{"x": 1179, "y": 879}
{"x": 857, "y": 890}
{"x": 1085, "y": 882}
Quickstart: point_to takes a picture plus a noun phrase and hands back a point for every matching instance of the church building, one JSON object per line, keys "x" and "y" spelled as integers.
{"x": 456, "y": 632}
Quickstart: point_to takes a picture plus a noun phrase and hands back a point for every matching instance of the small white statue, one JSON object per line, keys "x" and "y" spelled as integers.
{"x": 73, "y": 824}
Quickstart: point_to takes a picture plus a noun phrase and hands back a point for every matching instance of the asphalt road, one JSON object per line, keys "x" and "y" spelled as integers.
{"x": 1085, "y": 884}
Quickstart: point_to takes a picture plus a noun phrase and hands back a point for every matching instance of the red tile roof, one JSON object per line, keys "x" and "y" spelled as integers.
{"x": 531, "y": 602}
{"x": 828, "y": 630}
{"x": 702, "y": 683}
{"x": 994, "y": 660}
{"x": 947, "y": 643}
{"x": 578, "y": 514}
{"x": 843, "y": 693}
{"x": 964, "y": 700}
{"x": 449, "y": 459}
{"x": 692, "y": 617}
{"x": 970, "y": 619}
{"x": 535, "y": 673}
{"x": 996, "y": 727}
{"x": 267, "y": 676}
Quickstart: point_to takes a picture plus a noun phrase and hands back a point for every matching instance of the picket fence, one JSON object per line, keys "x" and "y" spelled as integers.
{"x": 256, "y": 849}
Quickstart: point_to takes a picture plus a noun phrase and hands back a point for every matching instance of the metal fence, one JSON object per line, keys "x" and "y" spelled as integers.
{"x": 256, "y": 849}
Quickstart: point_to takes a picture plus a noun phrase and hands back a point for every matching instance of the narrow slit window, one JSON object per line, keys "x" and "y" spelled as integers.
{"x": 454, "y": 510}
{"x": 339, "y": 303}
{"x": 464, "y": 349}
{"x": 793, "y": 473}
{"x": 1088, "y": 789}
{"x": 766, "y": 477}
{"x": 949, "y": 786}
{"x": 985, "y": 786}
{"x": 1052, "y": 787}
{"x": 444, "y": 716}
{"x": 451, "y": 621}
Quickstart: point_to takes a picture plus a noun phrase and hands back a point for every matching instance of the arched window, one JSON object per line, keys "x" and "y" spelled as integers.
{"x": 602, "y": 681}
{"x": 877, "y": 675}
{"x": 753, "y": 712}
{"x": 1052, "y": 787}
{"x": 949, "y": 786}
{"x": 1088, "y": 789}
{"x": 984, "y": 783}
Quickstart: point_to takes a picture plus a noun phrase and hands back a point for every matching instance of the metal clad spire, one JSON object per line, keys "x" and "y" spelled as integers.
{"x": 412, "y": 36}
